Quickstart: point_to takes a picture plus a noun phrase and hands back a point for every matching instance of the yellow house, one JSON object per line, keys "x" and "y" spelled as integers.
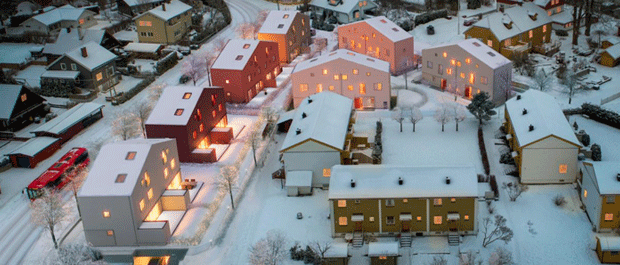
{"x": 544, "y": 145}
{"x": 611, "y": 56}
{"x": 388, "y": 200}
{"x": 608, "y": 249}
{"x": 600, "y": 189}
{"x": 515, "y": 30}
{"x": 165, "y": 24}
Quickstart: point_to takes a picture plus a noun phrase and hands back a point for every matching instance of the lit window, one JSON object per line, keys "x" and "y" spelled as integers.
{"x": 437, "y": 220}
{"x": 419, "y": 218}
{"x": 327, "y": 172}
{"x": 178, "y": 112}
{"x": 187, "y": 95}
{"x": 23, "y": 97}
{"x": 367, "y": 73}
{"x": 379, "y": 86}
{"x": 437, "y": 201}
{"x": 142, "y": 205}
{"x": 449, "y": 71}
{"x": 331, "y": 88}
{"x": 468, "y": 60}
{"x": 383, "y": 257}
{"x": 350, "y": 87}
{"x": 445, "y": 54}
{"x": 390, "y": 220}
{"x": 359, "y": 45}
{"x": 484, "y": 80}
{"x": 249, "y": 78}
{"x": 336, "y": 77}
{"x": 342, "y": 203}
{"x": 472, "y": 78}
{"x": 342, "y": 221}
{"x": 147, "y": 179}
{"x": 81, "y": 21}
{"x": 324, "y": 71}
{"x": 245, "y": 46}
{"x": 303, "y": 87}
{"x": 99, "y": 76}
{"x": 405, "y": 200}
{"x": 585, "y": 193}
{"x": 563, "y": 168}
{"x": 371, "y": 219}
{"x": 609, "y": 217}
{"x": 220, "y": 107}
{"x": 227, "y": 81}
{"x": 544, "y": 28}
{"x": 173, "y": 163}
{"x": 462, "y": 75}
{"x": 150, "y": 193}
{"x": 355, "y": 71}
{"x": 164, "y": 157}
{"x": 362, "y": 89}
{"x": 120, "y": 178}
{"x": 146, "y": 23}
{"x": 452, "y": 199}
{"x": 344, "y": 77}
{"x": 490, "y": 43}
{"x": 201, "y": 128}
{"x": 130, "y": 156}
{"x": 610, "y": 199}
{"x": 458, "y": 63}
{"x": 389, "y": 202}
{"x": 559, "y": 9}
{"x": 531, "y": 34}
{"x": 452, "y": 62}
{"x": 213, "y": 113}
{"x": 110, "y": 233}
{"x": 106, "y": 214}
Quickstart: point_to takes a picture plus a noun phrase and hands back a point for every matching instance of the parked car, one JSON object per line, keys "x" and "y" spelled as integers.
{"x": 184, "y": 50}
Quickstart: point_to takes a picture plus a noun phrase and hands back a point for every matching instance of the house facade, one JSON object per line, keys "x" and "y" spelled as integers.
{"x": 95, "y": 65}
{"x": 133, "y": 8}
{"x": 19, "y": 107}
{"x": 379, "y": 38}
{"x": 607, "y": 248}
{"x": 387, "y": 200}
{"x": 65, "y": 16}
{"x": 132, "y": 195}
{"x": 467, "y": 68}
{"x": 600, "y": 187}
{"x": 544, "y": 144}
{"x": 164, "y": 24}
{"x": 195, "y": 117}
{"x": 69, "y": 39}
{"x": 345, "y": 11}
{"x": 611, "y": 56}
{"x": 290, "y": 30}
{"x": 516, "y": 30}
{"x": 361, "y": 78}
{"x": 245, "y": 67}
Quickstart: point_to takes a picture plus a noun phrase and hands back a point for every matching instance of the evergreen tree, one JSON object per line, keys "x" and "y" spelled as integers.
{"x": 481, "y": 107}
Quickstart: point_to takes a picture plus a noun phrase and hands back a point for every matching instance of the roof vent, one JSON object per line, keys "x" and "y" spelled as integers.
{"x": 524, "y": 111}
{"x": 400, "y": 181}
{"x": 531, "y": 127}
{"x": 309, "y": 100}
{"x": 352, "y": 183}
{"x": 618, "y": 177}
{"x": 84, "y": 52}
{"x": 448, "y": 180}
{"x": 304, "y": 115}
{"x": 163, "y": 7}
{"x": 518, "y": 97}
{"x": 298, "y": 131}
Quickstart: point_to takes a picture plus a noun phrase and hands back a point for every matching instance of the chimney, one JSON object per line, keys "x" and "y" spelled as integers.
{"x": 68, "y": 30}
{"x": 309, "y": 100}
{"x": 524, "y": 111}
{"x": 84, "y": 52}
{"x": 518, "y": 97}
{"x": 298, "y": 131}
{"x": 501, "y": 9}
{"x": 303, "y": 115}
{"x": 400, "y": 181}
{"x": 618, "y": 177}
{"x": 163, "y": 7}
{"x": 531, "y": 127}
{"x": 352, "y": 183}
{"x": 447, "y": 180}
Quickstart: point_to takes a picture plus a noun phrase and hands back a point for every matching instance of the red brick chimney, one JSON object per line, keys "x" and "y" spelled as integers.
{"x": 163, "y": 7}
{"x": 84, "y": 52}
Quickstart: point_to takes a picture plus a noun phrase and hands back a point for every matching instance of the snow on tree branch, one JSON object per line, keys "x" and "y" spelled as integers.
{"x": 270, "y": 250}
{"x": 48, "y": 211}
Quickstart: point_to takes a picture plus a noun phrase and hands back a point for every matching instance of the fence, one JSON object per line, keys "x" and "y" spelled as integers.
{"x": 610, "y": 98}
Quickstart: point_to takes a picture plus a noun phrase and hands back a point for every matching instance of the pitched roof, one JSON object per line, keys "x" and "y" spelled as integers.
{"x": 605, "y": 176}
{"x": 34, "y": 146}
{"x": 97, "y": 56}
{"x": 326, "y": 121}
{"x": 8, "y": 98}
{"x": 482, "y": 52}
{"x": 609, "y": 243}
{"x": 173, "y": 9}
{"x": 347, "y": 55}
{"x": 172, "y": 100}
{"x": 541, "y": 3}
{"x": 563, "y": 17}
{"x": 142, "y": 47}
{"x": 69, "y": 118}
{"x": 140, "y": 2}
{"x": 386, "y": 27}
{"x": 60, "y": 74}
{"x": 614, "y": 51}
{"x": 376, "y": 249}
{"x": 68, "y": 41}
{"x": 344, "y": 7}
{"x": 381, "y": 181}
{"x": 235, "y": 54}
{"x": 66, "y": 12}
{"x": 519, "y": 16}
{"x": 278, "y": 22}
{"x": 544, "y": 113}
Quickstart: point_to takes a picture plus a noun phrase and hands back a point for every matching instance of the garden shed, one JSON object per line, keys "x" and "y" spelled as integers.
{"x": 299, "y": 183}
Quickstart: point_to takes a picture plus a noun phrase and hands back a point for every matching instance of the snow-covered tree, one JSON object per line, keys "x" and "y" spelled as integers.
{"x": 542, "y": 81}
{"x": 415, "y": 116}
{"x": 142, "y": 110}
{"x": 269, "y": 250}
{"x": 443, "y": 114}
{"x": 495, "y": 230}
{"x": 438, "y": 260}
{"x": 209, "y": 58}
{"x": 194, "y": 67}
{"x": 469, "y": 258}
{"x": 458, "y": 113}
{"x": 481, "y": 107}
{"x": 320, "y": 248}
{"x": 514, "y": 189}
{"x": 501, "y": 256}
{"x": 226, "y": 181}
{"x": 248, "y": 30}
{"x": 155, "y": 91}
{"x": 255, "y": 138}
{"x": 76, "y": 183}
{"x": 48, "y": 211}
{"x": 570, "y": 82}
{"x": 261, "y": 17}
{"x": 76, "y": 254}
{"x": 125, "y": 126}
{"x": 399, "y": 115}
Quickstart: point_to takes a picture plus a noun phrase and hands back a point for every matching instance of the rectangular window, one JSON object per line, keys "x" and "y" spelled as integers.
{"x": 99, "y": 76}
{"x": 63, "y": 66}
{"x": 331, "y": 88}
{"x": 178, "y": 112}
{"x": 336, "y": 77}
{"x": 350, "y": 87}
{"x": 110, "y": 233}
{"x": 472, "y": 78}
{"x": 437, "y": 202}
{"x": 327, "y": 172}
{"x": 142, "y": 205}
{"x": 150, "y": 193}
{"x": 371, "y": 219}
{"x": 440, "y": 69}
{"x": 610, "y": 199}
{"x": 319, "y": 88}
{"x": 23, "y": 97}
{"x": 106, "y": 214}
{"x": 531, "y": 34}
{"x": 563, "y": 168}
{"x": 390, "y": 220}
{"x": 379, "y": 86}
{"x": 187, "y": 95}
{"x": 449, "y": 71}
{"x": 324, "y": 71}
{"x": 147, "y": 179}
{"x": 303, "y": 87}
{"x": 342, "y": 203}
{"x": 120, "y": 178}
{"x": 466, "y": 217}
{"x": 484, "y": 80}
{"x": 490, "y": 43}
{"x": 362, "y": 89}
{"x": 437, "y": 220}
{"x": 389, "y": 202}
{"x": 367, "y": 73}
{"x": 355, "y": 71}
{"x": 609, "y": 216}
{"x": 544, "y": 28}
{"x": 344, "y": 77}
{"x": 419, "y": 218}
{"x": 452, "y": 199}
{"x": 507, "y": 42}
{"x": 219, "y": 107}
{"x": 73, "y": 67}
{"x": 462, "y": 75}
{"x": 342, "y": 221}
{"x": 130, "y": 156}
{"x": 165, "y": 172}
{"x": 429, "y": 65}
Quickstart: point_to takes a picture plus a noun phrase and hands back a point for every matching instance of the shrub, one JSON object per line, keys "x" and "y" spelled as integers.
{"x": 601, "y": 115}
{"x": 135, "y": 90}
{"x": 559, "y": 200}
{"x": 585, "y": 139}
{"x": 493, "y": 184}
{"x": 483, "y": 152}
{"x": 430, "y": 16}
{"x": 393, "y": 101}
{"x": 596, "y": 152}
{"x": 166, "y": 63}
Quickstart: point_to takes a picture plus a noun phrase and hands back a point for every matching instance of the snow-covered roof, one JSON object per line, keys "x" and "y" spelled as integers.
{"x": 562, "y": 17}
{"x": 66, "y": 12}
{"x": 285, "y": 116}
{"x": 140, "y": 2}
{"x": 8, "y": 97}
{"x": 16, "y": 53}
{"x": 235, "y": 54}
{"x": 68, "y": 41}
{"x": 142, "y": 47}
{"x": 60, "y": 74}
{"x": 299, "y": 178}
{"x": 609, "y": 243}
{"x": 69, "y": 118}
{"x": 337, "y": 250}
{"x": 34, "y": 146}
{"x": 326, "y": 121}
{"x": 541, "y": 3}
{"x": 520, "y": 18}
{"x": 614, "y": 51}
{"x": 482, "y": 52}
{"x": 97, "y": 56}
{"x": 173, "y": 9}
{"x": 544, "y": 113}
{"x": 376, "y": 249}
{"x": 344, "y": 7}
{"x": 381, "y": 181}
{"x": 605, "y": 175}
{"x": 278, "y": 22}
{"x": 386, "y": 27}
{"x": 171, "y": 100}
{"x": 110, "y": 162}
{"x": 344, "y": 54}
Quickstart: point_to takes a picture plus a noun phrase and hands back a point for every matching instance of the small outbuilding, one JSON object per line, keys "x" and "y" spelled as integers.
{"x": 33, "y": 151}
{"x": 299, "y": 183}
{"x": 71, "y": 122}
{"x": 611, "y": 56}
{"x": 607, "y": 249}
{"x": 19, "y": 106}
{"x": 383, "y": 253}
{"x": 337, "y": 254}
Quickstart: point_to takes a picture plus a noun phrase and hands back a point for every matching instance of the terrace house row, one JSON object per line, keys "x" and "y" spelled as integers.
{"x": 165, "y": 24}
{"x": 132, "y": 194}
{"x": 359, "y": 77}
{"x": 290, "y": 30}
{"x": 246, "y": 67}
{"x": 195, "y": 117}
{"x": 380, "y": 38}
{"x": 467, "y": 68}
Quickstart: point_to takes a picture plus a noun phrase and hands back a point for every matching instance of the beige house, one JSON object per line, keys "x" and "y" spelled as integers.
{"x": 467, "y": 68}
{"x": 359, "y": 77}
{"x": 65, "y": 16}
{"x": 165, "y": 24}
{"x": 600, "y": 189}
{"x": 345, "y": 11}
{"x": 387, "y": 200}
{"x": 544, "y": 144}
{"x": 380, "y": 38}
{"x": 290, "y": 29}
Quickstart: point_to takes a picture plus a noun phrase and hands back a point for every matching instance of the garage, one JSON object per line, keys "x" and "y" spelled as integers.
{"x": 299, "y": 183}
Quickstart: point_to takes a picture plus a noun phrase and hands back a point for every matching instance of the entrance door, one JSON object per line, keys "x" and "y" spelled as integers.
{"x": 369, "y": 102}
{"x": 452, "y": 225}
{"x": 358, "y": 102}
{"x": 443, "y": 84}
{"x": 468, "y": 92}
{"x": 23, "y": 162}
{"x": 358, "y": 226}
{"x": 405, "y": 226}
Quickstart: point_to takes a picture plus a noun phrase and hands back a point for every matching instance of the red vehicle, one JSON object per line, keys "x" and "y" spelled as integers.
{"x": 60, "y": 173}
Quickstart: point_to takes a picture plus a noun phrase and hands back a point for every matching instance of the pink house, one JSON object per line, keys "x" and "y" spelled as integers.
{"x": 364, "y": 79}
{"x": 380, "y": 38}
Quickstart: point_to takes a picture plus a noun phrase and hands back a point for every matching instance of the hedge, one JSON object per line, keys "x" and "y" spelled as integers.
{"x": 430, "y": 16}
{"x": 483, "y": 152}
{"x": 601, "y": 115}
{"x": 166, "y": 63}
{"x": 493, "y": 184}
{"x": 134, "y": 91}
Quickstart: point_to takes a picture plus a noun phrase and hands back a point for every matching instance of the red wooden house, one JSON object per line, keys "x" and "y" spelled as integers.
{"x": 195, "y": 117}
{"x": 245, "y": 67}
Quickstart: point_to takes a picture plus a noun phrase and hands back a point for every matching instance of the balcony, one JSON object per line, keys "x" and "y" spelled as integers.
{"x": 520, "y": 47}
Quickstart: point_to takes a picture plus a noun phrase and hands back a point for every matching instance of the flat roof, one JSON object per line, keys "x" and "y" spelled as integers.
{"x": 376, "y": 249}
{"x": 34, "y": 146}
{"x": 338, "y": 250}
{"x": 299, "y": 178}
{"x": 69, "y": 118}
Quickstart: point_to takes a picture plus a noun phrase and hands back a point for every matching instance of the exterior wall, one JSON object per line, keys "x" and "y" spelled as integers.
{"x": 314, "y": 161}
{"x": 24, "y": 111}
{"x": 367, "y": 207}
{"x": 87, "y": 77}
{"x": 613, "y": 208}
{"x": 294, "y": 42}
{"x": 484, "y": 35}
{"x": 280, "y": 39}
{"x": 461, "y": 206}
{"x": 540, "y": 162}
{"x": 120, "y": 221}
{"x": 164, "y": 32}
{"x": 314, "y": 76}
{"x": 365, "y": 39}
{"x": 609, "y": 61}
{"x": 34, "y": 160}
{"x": 592, "y": 201}
{"x": 502, "y": 82}
{"x": 606, "y": 256}
{"x": 36, "y": 26}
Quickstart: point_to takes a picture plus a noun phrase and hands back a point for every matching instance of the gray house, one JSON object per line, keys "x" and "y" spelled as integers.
{"x": 132, "y": 195}
{"x": 345, "y": 11}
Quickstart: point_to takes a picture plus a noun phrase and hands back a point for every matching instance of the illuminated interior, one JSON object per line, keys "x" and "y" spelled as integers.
{"x": 145, "y": 260}
{"x": 204, "y": 144}
{"x": 223, "y": 122}
{"x": 176, "y": 182}
{"x": 155, "y": 212}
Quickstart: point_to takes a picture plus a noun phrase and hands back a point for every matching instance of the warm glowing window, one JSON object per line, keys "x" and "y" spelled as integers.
{"x": 106, "y": 214}
{"x": 453, "y": 62}
{"x": 362, "y": 89}
{"x": 319, "y": 88}
{"x": 187, "y": 95}
{"x": 563, "y": 168}
{"x": 468, "y": 60}
{"x": 165, "y": 172}
{"x": 544, "y": 28}
{"x": 437, "y": 201}
{"x": 449, "y": 71}
{"x": 130, "y": 156}
{"x": 367, "y": 73}
{"x": 336, "y": 77}
{"x": 458, "y": 63}
{"x": 146, "y": 23}
{"x": 472, "y": 78}
{"x": 609, "y": 216}
{"x": 445, "y": 54}
{"x": 531, "y": 34}
{"x": 327, "y": 172}
{"x": 559, "y": 9}
{"x": 303, "y": 87}
{"x": 355, "y": 71}
{"x": 147, "y": 179}
{"x": 120, "y": 178}
{"x": 331, "y": 88}
{"x": 178, "y": 112}
{"x": 142, "y": 205}
{"x": 23, "y": 97}
{"x": 81, "y": 21}
{"x": 110, "y": 232}
{"x": 350, "y": 87}
{"x": 383, "y": 257}
{"x": 344, "y": 77}
{"x": 213, "y": 113}
{"x": 371, "y": 219}
{"x": 466, "y": 217}
{"x": 405, "y": 200}
{"x": 175, "y": 184}
{"x": 585, "y": 193}
{"x": 99, "y": 76}
{"x": 462, "y": 75}
{"x": 342, "y": 203}
{"x": 201, "y": 128}
{"x": 452, "y": 199}
{"x": 173, "y": 163}
{"x": 227, "y": 81}
{"x": 342, "y": 221}
{"x": 220, "y": 107}
{"x": 490, "y": 43}
{"x": 437, "y": 220}
{"x": 164, "y": 156}
{"x": 150, "y": 193}
{"x": 379, "y": 86}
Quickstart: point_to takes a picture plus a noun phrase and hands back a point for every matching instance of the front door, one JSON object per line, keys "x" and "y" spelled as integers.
{"x": 250, "y": 94}
{"x": 452, "y": 225}
{"x": 358, "y": 226}
{"x": 358, "y": 102}
{"x": 369, "y": 102}
{"x": 443, "y": 84}
{"x": 405, "y": 226}
{"x": 468, "y": 92}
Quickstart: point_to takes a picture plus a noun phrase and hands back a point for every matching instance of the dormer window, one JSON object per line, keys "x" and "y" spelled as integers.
{"x": 383, "y": 21}
{"x": 285, "y": 16}
{"x": 246, "y": 46}
{"x": 280, "y": 26}
{"x": 187, "y": 95}
{"x": 239, "y": 57}
{"x": 120, "y": 178}
{"x": 395, "y": 29}
{"x": 130, "y": 156}
{"x": 491, "y": 54}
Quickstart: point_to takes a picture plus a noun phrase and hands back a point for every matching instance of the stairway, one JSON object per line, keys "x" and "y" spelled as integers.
{"x": 405, "y": 240}
{"x": 453, "y": 239}
{"x": 358, "y": 239}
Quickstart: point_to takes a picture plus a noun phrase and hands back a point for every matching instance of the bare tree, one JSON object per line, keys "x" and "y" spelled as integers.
{"x": 247, "y": 30}
{"x": 570, "y": 82}
{"x": 255, "y": 139}
{"x": 227, "y": 180}
{"x": 74, "y": 185}
{"x": 469, "y": 258}
{"x": 438, "y": 260}
{"x": 261, "y": 17}
{"x": 320, "y": 248}
{"x": 194, "y": 67}
{"x": 155, "y": 92}
{"x": 125, "y": 126}
{"x": 578, "y": 13}
{"x": 142, "y": 111}
{"x": 495, "y": 230}
{"x": 218, "y": 45}
{"x": 320, "y": 44}
{"x": 458, "y": 113}
{"x": 399, "y": 115}
{"x": 415, "y": 116}
{"x": 48, "y": 212}
{"x": 269, "y": 250}
{"x": 501, "y": 256}
{"x": 514, "y": 189}
{"x": 443, "y": 115}
{"x": 209, "y": 60}
{"x": 542, "y": 80}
